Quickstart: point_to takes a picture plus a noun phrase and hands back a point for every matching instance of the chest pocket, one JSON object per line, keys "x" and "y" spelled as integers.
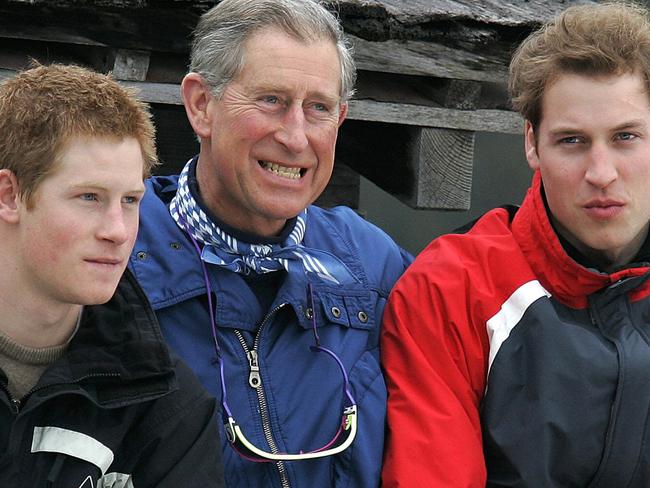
{"x": 356, "y": 310}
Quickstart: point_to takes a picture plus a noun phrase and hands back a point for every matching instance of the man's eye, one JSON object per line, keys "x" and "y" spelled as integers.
{"x": 89, "y": 197}
{"x": 570, "y": 140}
{"x": 625, "y": 136}
{"x": 130, "y": 200}
{"x": 272, "y": 99}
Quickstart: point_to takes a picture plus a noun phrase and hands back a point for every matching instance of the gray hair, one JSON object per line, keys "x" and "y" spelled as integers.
{"x": 217, "y": 48}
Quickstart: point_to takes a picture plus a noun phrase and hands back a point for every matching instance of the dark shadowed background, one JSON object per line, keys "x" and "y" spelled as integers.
{"x": 501, "y": 175}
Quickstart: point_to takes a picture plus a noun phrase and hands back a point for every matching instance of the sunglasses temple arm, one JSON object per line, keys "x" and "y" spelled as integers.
{"x": 346, "y": 384}
{"x": 217, "y": 349}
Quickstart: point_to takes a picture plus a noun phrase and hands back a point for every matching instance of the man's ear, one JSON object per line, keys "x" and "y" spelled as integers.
{"x": 530, "y": 143}
{"x": 196, "y": 97}
{"x": 343, "y": 112}
{"x": 9, "y": 197}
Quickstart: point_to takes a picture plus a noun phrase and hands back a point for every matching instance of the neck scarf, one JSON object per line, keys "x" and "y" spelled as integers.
{"x": 226, "y": 251}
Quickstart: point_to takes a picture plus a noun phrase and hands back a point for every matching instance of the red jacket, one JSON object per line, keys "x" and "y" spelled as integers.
{"x": 562, "y": 351}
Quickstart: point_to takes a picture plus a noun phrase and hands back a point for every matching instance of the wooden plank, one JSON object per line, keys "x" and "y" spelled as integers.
{"x": 165, "y": 25}
{"x": 122, "y": 4}
{"x": 152, "y": 29}
{"x": 431, "y": 92}
{"x": 502, "y": 12}
{"x": 167, "y": 93}
{"x": 435, "y": 59}
{"x": 487, "y": 120}
{"x": 131, "y": 64}
{"x": 6, "y": 73}
{"x": 413, "y": 139}
{"x": 443, "y": 170}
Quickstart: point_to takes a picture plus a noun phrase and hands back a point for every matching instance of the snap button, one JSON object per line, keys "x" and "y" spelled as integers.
{"x": 363, "y": 317}
{"x": 141, "y": 255}
{"x": 175, "y": 245}
{"x": 309, "y": 313}
{"x": 336, "y": 311}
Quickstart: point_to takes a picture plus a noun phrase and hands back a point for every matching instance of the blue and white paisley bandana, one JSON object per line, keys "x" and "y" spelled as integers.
{"x": 226, "y": 251}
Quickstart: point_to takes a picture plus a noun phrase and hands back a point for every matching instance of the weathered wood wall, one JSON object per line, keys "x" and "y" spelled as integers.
{"x": 431, "y": 73}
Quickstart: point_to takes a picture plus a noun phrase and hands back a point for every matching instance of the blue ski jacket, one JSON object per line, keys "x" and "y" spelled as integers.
{"x": 296, "y": 405}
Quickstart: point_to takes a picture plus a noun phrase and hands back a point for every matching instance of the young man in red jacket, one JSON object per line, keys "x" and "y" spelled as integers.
{"x": 517, "y": 353}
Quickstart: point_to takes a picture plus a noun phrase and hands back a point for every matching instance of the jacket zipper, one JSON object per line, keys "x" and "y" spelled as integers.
{"x": 17, "y": 404}
{"x": 255, "y": 381}
{"x": 14, "y": 404}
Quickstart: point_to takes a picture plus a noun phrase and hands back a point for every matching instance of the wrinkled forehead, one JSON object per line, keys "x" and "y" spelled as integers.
{"x": 273, "y": 56}
{"x": 273, "y": 41}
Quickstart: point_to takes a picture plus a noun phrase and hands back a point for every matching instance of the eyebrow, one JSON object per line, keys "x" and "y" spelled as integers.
{"x": 260, "y": 89}
{"x": 632, "y": 124}
{"x": 629, "y": 124}
{"x": 94, "y": 185}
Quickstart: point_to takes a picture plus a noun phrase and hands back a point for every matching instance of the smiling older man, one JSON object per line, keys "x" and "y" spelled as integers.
{"x": 276, "y": 304}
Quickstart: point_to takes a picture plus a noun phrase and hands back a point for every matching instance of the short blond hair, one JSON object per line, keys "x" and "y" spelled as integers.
{"x": 612, "y": 38}
{"x": 43, "y": 107}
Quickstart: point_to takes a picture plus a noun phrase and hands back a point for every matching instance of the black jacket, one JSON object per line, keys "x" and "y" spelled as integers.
{"x": 116, "y": 411}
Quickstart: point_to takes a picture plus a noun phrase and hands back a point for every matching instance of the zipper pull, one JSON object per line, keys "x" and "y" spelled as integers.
{"x": 254, "y": 378}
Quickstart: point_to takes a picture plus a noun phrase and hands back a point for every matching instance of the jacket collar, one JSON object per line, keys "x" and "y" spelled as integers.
{"x": 118, "y": 355}
{"x": 165, "y": 262}
{"x": 568, "y": 280}
{"x": 164, "y": 259}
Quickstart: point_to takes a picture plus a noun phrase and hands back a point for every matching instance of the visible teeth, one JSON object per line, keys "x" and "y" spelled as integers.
{"x": 292, "y": 173}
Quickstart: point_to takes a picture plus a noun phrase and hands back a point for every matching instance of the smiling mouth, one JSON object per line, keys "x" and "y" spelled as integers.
{"x": 283, "y": 171}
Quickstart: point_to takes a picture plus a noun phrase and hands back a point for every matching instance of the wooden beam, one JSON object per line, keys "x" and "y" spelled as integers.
{"x": 131, "y": 64}
{"x": 6, "y": 73}
{"x": 430, "y": 58}
{"x": 501, "y": 12}
{"x": 167, "y": 93}
{"x": 487, "y": 120}
{"x": 424, "y": 168}
{"x": 104, "y": 24}
{"x": 503, "y": 121}
{"x": 443, "y": 170}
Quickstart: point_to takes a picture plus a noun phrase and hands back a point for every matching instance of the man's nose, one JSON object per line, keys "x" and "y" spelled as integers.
{"x": 113, "y": 226}
{"x": 601, "y": 168}
{"x": 292, "y": 131}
